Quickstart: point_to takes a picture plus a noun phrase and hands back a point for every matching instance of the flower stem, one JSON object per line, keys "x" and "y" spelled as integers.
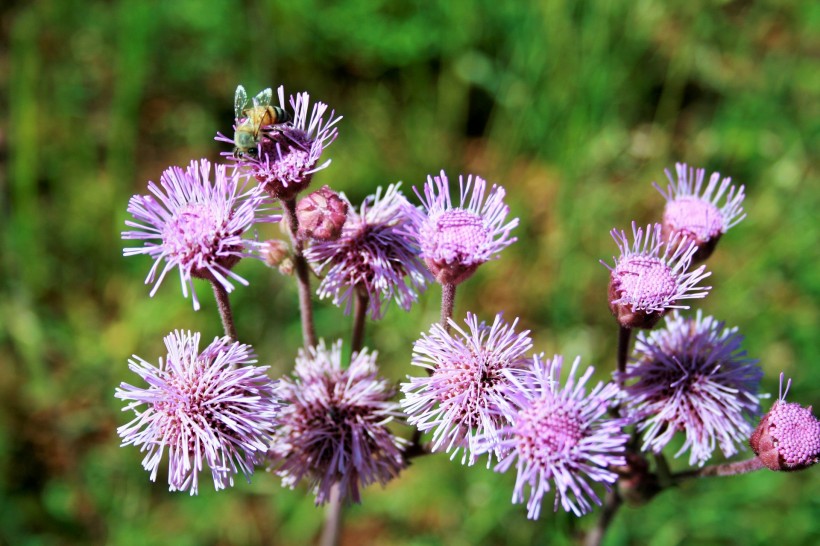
{"x": 612, "y": 502}
{"x": 624, "y": 335}
{"x": 302, "y": 274}
{"x": 725, "y": 469}
{"x": 448, "y": 303}
{"x": 416, "y": 448}
{"x": 333, "y": 517}
{"x": 359, "y": 320}
{"x": 224, "y": 304}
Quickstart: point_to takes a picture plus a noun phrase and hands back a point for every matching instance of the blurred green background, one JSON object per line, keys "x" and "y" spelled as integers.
{"x": 575, "y": 106}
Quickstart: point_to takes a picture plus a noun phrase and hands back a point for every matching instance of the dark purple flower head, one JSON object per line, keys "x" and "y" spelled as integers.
{"x": 210, "y": 408}
{"x": 650, "y": 277}
{"x": 321, "y": 215}
{"x": 334, "y": 426}
{"x": 692, "y": 377}
{"x": 692, "y": 212}
{"x": 194, "y": 223}
{"x": 788, "y": 437}
{"x": 373, "y": 255}
{"x": 466, "y": 391}
{"x": 454, "y": 241}
{"x": 561, "y": 436}
{"x": 288, "y": 154}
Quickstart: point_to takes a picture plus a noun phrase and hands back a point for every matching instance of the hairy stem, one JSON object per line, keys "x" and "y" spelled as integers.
{"x": 612, "y": 501}
{"x": 224, "y": 304}
{"x": 333, "y": 518}
{"x": 302, "y": 275}
{"x": 359, "y": 320}
{"x": 725, "y": 469}
{"x": 624, "y": 335}
{"x": 448, "y": 303}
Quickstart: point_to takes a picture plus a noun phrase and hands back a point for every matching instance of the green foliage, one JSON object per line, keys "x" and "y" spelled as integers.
{"x": 574, "y": 106}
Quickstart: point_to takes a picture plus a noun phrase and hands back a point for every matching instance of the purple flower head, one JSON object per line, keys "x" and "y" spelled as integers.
{"x": 210, "y": 408}
{"x": 692, "y": 213}
{"x": 334, "y": 426}
{"x": 195, "y": 223}
{"x": 650, "y": 277}
{"x": 560, "y": 435}
{"x": 692, "y": 377}
{"x": 454, "y": 241}
{"x": 288, "y": 155}
{"x": 788, "y": 437}
{"x": 373, "y": 256}
{"x": 466, "y": 391}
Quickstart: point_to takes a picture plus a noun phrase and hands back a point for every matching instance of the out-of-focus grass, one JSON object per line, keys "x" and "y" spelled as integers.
{"x": 574, "y": 106}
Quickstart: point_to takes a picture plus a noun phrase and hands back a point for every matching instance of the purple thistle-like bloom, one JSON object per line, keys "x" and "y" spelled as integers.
{"x": 288, "y": 155}
{"x": 560, "y": 435}
{"x": 196, "y": 224}
{"x": 210, "y": 408}
{"x": 692, "y": 377}
{"x": 454, "y": 241}
{"x": 692, "y": 212}
{"x": 466, "y": 391}
{"x": 650, "y": 277}
{"x": 373, "y": 255}
{"x": 788, "y": 437}
{"x": 334, "y": 426}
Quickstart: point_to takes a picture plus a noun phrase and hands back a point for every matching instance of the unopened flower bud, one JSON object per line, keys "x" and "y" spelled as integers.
{"x": 322, "y": 215}
{"x": 275, "y": 251}
{"x": 788, "y": 437}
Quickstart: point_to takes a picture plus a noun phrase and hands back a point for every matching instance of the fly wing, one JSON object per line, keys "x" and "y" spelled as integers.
{"x": 240, "y": 99}
{"x": 263, "y": 98}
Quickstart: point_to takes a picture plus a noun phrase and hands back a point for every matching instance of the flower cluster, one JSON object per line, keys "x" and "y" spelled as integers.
{"x": 330, "y": 423}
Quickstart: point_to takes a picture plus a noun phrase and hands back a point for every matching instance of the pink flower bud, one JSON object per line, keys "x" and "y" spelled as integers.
{"x": 322, "y": 215}
{"x": 788, "y": 437}
{"x": 275, "y": 251}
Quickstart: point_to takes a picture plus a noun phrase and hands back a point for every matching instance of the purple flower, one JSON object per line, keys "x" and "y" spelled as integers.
{"x": 454, "y": 241}
{"x": 288, "y": 155}
{"x": 560, "y": 435}
{"x": 788, "y": 437}
{"x": 196, "y": 224}
{"x": 465, "y": 393}
{"x": 334, "y": 426}
{"x": 373, "y": 255}
{"x": 651, "y": 277}
{"x": 692, "y": 377}
{"x": 692, "y": 213}
{"x": 211, "y": 408}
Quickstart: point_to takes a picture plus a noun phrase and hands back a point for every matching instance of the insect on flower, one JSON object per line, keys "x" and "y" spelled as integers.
{"x": 252, "y": 117}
